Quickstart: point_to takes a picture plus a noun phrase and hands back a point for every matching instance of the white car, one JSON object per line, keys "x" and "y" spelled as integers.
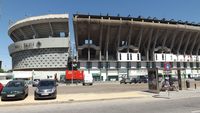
{"x": 88, "y": 79}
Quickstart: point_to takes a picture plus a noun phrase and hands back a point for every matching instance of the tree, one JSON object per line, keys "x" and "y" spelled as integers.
{"x": 2, "y": 71}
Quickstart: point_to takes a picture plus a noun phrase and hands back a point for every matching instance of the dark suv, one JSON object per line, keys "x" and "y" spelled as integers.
{"x": 140, "y": 79}
{"x": 125, "y": 81}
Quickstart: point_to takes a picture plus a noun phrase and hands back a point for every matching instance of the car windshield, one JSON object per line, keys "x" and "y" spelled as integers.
{"x": 46, "y": 83}
{"x": 14, "y": 84}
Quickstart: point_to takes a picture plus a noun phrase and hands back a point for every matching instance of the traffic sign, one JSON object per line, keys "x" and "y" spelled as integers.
{"x": 167, "y": 66}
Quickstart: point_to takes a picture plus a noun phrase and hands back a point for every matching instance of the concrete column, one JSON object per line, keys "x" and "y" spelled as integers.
{"x": 165, "y": 38}
{"x": 155, "y": 42}
{"x": 180, "y": 43}
{"x": 88, "y": 39}
{"x": 100, "y": 59}
{"x": 140, "y": 38}
{"x": 118, "y": 35}
{"x": 149, "y": 42}
{"x": 130, "y": 34}
{"x": 24, "y": 35}
{"x": 106, "y": 55}
{"x": 51, "y": 28}
{"x": 197, "y": 52}
{"x": 173, "y": 39}
{"x": 194, "y": 42}
{"x": 34, "y": 31}
{"x": 16, "y": 37}
{"x": 107, "y": 41}
{"x": 100, "y": 39}
{"x": 186, "y": 46}
{"x": 76, "y": 34}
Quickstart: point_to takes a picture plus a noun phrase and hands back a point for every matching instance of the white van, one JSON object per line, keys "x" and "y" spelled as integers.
{"x": 88, "y": 79}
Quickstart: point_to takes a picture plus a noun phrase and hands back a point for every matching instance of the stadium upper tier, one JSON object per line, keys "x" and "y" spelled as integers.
{"x": 52, "y": 25}
{"x": 101, "y": 37}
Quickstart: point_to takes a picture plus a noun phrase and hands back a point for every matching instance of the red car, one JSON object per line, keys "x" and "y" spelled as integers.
{"x": 1, "y": 87}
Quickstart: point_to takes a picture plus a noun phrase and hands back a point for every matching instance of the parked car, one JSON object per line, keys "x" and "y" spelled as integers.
{"x": 35, "y": 82}
{"x": 125, "y": 81}
{"x": 1, "y": 87}
{"x": 140, "y": 79}
{"x": 16, "y": 89}
{"x": 46, "y": 89}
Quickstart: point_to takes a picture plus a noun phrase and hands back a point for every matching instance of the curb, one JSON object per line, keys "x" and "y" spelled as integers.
{"x": 69, "y": 101}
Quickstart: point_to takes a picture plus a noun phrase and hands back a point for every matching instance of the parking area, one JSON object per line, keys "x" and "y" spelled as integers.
{"x": 98, "y": 91}
{"x": 105, "y": 87}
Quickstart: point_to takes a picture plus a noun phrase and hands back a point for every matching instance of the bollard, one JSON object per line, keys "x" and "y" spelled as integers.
{"x": 195, "y": 86}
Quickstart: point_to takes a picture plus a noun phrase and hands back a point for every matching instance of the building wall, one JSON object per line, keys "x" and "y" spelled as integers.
{"x": 40, "y": 58}
{"x": 29, "y": 75}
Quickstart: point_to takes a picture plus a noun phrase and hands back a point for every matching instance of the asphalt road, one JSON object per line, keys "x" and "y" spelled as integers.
{"x": 97, "y": 88}
{"x": 190, "y": 105}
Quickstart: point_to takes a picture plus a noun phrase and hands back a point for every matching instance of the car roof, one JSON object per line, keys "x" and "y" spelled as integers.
{"x": 17, "y": 81}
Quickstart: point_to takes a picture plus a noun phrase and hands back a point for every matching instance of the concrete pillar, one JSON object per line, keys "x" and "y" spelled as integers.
{"x": 187, "y": 42}
{"x": 149, "y": 42}
{"x": 100, "y": 39}
{"x": 100, "y": 59}
{"x": 129, "y": 35}
{"x": 140, "y": 39}
{"x": 173, "y": 39}
{"x": 194, "y": 42}
{"x": 180, "y": 43}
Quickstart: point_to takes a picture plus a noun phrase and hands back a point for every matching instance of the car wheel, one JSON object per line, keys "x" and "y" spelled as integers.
{"x": 55, "y": 97}
{"x": 27, "y": 95}
{"x": 35, "y": 98}
{"x": 2, "y": 99}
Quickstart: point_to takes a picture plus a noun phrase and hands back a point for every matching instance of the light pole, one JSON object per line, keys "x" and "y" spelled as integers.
{"x": 72, "y": 65}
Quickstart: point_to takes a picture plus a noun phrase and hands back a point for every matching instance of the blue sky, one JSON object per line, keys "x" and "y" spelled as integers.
{"x": 186, "y": 10}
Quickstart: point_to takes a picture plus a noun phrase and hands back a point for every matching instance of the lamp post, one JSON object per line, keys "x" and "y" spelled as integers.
{"x": 72, "y": 65}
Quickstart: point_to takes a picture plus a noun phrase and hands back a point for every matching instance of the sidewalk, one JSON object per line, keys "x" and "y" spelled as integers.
{"x": 81, "y": 97}
{"x": 179, "y": 95}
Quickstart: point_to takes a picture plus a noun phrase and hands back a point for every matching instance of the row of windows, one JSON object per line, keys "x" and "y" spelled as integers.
{"x": 129, "y": 57}
{"x": 137, "y": 65}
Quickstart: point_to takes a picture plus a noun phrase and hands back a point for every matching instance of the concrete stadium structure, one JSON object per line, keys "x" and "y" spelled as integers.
{"x": 113, "y": 46}
{"x": 41, "y": 46}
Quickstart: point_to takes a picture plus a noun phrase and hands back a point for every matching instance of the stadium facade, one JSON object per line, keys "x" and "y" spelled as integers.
{"x": 41, "y": 46}
{"x": 110, "y": 47}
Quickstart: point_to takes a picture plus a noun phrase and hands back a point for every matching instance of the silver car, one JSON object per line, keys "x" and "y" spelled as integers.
{"x": 46, "y": 89}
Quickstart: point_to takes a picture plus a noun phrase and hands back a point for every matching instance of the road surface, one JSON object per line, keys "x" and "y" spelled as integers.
{"x": 190, "y": 105}
{"x": 97, "y": 88}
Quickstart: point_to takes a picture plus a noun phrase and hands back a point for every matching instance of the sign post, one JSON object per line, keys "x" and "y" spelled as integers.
{"x": 167, "y": 68}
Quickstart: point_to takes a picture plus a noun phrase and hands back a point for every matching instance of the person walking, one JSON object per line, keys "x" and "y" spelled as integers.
{"x": 167, "y": 86}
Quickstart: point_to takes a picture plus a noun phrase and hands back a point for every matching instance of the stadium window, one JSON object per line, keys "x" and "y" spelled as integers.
{"x": 62, "y": 34}
{"x": 86, "y": 41}
{"x": 123, "y": 42}
{"x": 90, "y": 41}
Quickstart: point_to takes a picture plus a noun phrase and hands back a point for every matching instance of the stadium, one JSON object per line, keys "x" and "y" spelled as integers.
{"x": 41, "y": 46}
{"x": 111, "y": 47}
